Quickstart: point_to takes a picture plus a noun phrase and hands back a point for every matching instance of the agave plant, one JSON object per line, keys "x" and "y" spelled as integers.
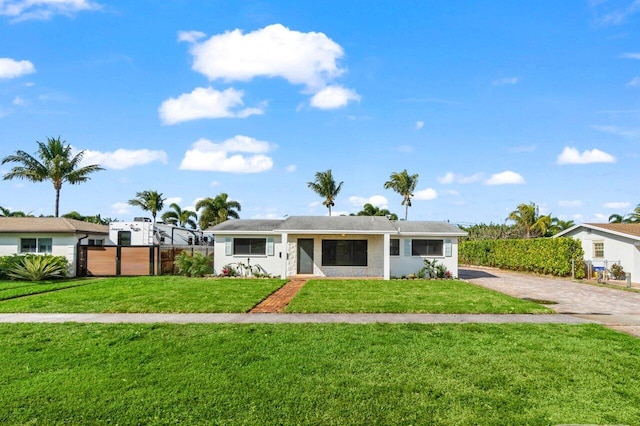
{"x": 38, "y": 268}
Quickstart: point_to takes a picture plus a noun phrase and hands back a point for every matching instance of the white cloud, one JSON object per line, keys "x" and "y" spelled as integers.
{"x": 573, "y": 156}
{"x": 120, "y": 208}
{"x": 507, "y": 81}
{"x": 419, "y": 125}
{"x": 23, "y": 10}
{"x": 291, "y": 168}
{"x": 124, "y": 158}
{"x": 635, "y": 82}
{"x": 19, "y": 101}
{"x": 505, "y": 178}
{"x": 10, "y": 68}
{"x": 451, "y": 177}
{"x": 205, "y": 102}
{"x": 170, "y": 200}
{"x": 579, "y": 217}
{"x": 630, "y": 55}
{"x": 425, "y": 194}
{"x": 190, "y": 36}
{"x": 205, "y": 155}
{"x": 451, "y": 192}
{"x": 333, "y": 97}
{"x": 274, "y": 51}
{"x": 379, "y": 201}
{"x": 570, "y": 203}
{"x": 616, "y": 205}
{"x": 213, "y": 184}
{"x": 314, "y": 204}
{"x": 619, "y": 131}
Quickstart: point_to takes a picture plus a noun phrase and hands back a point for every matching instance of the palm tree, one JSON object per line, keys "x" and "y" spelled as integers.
{"x": 527, "y": 218}
{"x": 617, "y": 218}
{"x": 180, "y": 217}
{"x": 150, "y": 201}
{"x": 370, "y": 210}
{"x": 634, "y": 216}
{"x": 217, "y": 210}
{"x": 8, "y": 213}
{"x": 558, "y": 225}
{"x": 325, "y": 186}
{"x": 404, "y": 184}
{"x": 56, "y": 163}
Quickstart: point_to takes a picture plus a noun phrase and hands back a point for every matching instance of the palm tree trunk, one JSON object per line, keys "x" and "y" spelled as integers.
{"x": 406, "y": 212}
{"x": 57, "y": 211}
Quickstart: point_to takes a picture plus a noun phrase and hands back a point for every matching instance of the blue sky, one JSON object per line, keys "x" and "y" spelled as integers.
{"x": 492, "y": 103}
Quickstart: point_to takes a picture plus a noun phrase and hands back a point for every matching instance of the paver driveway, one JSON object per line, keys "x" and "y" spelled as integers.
{"x": 615, "y": 308}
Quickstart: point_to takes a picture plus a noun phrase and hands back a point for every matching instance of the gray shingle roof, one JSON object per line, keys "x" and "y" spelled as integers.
{"x": 54, "y": 225}
{"x": 335, "y": 225}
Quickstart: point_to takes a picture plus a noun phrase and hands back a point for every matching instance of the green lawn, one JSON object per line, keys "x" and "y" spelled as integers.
{"x": 150, "y": 294}
{"x": 424, "y": 296}
{"x": 296, "y": 374}
{"x": 12, "y": 289}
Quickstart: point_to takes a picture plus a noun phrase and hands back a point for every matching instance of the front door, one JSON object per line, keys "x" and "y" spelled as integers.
{"x": 305, "y": 256}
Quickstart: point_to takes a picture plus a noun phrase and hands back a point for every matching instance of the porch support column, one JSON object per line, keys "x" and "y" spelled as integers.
{"x": 387, "y": 256}
{"x": 284, "y": 253}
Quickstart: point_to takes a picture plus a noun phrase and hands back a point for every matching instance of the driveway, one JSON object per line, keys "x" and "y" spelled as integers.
{"x": 615, "y": 308}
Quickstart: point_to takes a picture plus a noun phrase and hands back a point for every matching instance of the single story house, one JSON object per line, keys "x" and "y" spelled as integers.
{"x": 57, "y": 236}
{"x": 338, "y": 246}
{"x": 607, "y": 243}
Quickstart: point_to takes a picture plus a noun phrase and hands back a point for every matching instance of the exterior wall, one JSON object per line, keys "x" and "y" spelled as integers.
{"x": 406, "y": 264}
{"x": 617, "y": 249}
{"x": 270, "y": 263}
{"x": 63, "y": 245}
{"x": 141, "y": 232}
{"x": 375, "y": 256}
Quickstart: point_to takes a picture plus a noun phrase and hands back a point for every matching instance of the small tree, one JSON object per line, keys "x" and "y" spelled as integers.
{"x": 325, "y": 186}
{"x": 150, "y": 201}
{"x": 404, "y": 184}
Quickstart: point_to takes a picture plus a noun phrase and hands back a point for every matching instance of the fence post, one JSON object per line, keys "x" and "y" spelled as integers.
{"x": 628, "y": 276}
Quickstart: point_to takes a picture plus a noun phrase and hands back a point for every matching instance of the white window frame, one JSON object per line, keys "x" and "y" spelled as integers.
{"x": 38, "y": 245}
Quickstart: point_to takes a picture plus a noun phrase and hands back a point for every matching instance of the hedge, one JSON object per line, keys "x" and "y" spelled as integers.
{"x": 550, "y": 256}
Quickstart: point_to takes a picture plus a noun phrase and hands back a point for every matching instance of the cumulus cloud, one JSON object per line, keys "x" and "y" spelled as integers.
{"x": 379, "y": 201}
{"x": 205, "y": 102}
{"x": 419, "y": 125}
{"x": 120, "y": 208}
{"x": 573, "y": 156}
{"x": 333, "y": 97}
{"x": 190, "y": 36}
{"x": 617, "y": 205}
{"x": 229, "y": 156}
{"x": 10, "y": 68}
{"x": 451, "y": 177}
{"x": 570, "y": 203}
{"x": 507, "y": 81}
{"x": 505, "y": 178}
{"x": 425, "y": 194}
{"x": 23, "y": 10}
{"x": 170, "y": 200}
{"x": 123, "y": 158}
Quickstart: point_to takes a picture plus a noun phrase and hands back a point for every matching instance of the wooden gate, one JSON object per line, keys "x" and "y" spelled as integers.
{"x": 117, "y": 260}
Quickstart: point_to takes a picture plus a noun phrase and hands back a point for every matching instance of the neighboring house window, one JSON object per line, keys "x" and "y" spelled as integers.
{"x": 95, "y": 242}
{"x": 598, "y": 249}
{"x": 124, "y": 238}
{"x": 344, "y": 252}
{"x": 36, "y": 245}
{"x": 394, "y": 249}
{"x": 255, "y": 246}
{"x": 426, "y": 247}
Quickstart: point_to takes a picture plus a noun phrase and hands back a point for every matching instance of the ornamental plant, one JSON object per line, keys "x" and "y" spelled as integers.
{"x": 38, "y": 268}
{"x": 193, "y": 265}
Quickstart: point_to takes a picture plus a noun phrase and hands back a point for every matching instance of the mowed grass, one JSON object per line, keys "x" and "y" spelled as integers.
{"x": 297, "y": 374}
{"x": 150, "y": 294}
{"x": 12, "y": 289}
{"x": 419, "y": 296}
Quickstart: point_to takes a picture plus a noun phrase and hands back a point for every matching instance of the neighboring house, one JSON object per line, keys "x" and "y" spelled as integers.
{"x": 607, "y": 243}
{"x": 339, "y": 246}
{"x": 57, "y": 236}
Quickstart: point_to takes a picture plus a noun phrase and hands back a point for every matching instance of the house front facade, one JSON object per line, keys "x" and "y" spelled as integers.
{"x": 607, "y": 243}
{"x": 56, "y": 236}
{"x": 342, "y": 246}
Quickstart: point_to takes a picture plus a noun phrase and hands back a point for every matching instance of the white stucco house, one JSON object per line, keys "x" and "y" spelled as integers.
{"x": 339, "y": 246}
{"x": 57, "y": 236}
{"x": 607, "y": 243}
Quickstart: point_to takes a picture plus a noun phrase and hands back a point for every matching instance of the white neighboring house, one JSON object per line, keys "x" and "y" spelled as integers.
{"x": 57, "y": 236}
{"x": 611, "y": 243}
{"x": 140, "y": 232}
{"x": 338, "y": 246}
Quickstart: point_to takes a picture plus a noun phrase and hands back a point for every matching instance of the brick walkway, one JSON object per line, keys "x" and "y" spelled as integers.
{"x": 279, "y": 299}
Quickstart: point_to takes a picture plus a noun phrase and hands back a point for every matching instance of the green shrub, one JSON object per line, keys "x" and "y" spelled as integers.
{"x": 551, "y": 256}
{"x": 37, "y": 267}
{"x": 196, "y": 265}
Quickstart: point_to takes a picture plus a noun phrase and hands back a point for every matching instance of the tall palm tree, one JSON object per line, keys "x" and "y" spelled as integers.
{"x": 179, "y": 217}
{"x": 527, "y": 218}
{"x": 55, "y": 163}
{"x": 217, "y": 210}
{"x": 370, "y": 210}
{"x": 404, "y": 184}
{"x": 150, "y": 201}
{"x": 325, "y": 186}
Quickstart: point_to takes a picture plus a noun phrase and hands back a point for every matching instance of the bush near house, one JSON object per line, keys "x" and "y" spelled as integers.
{"x": 33, "y": 267}
{"x": 551, "y": 256}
